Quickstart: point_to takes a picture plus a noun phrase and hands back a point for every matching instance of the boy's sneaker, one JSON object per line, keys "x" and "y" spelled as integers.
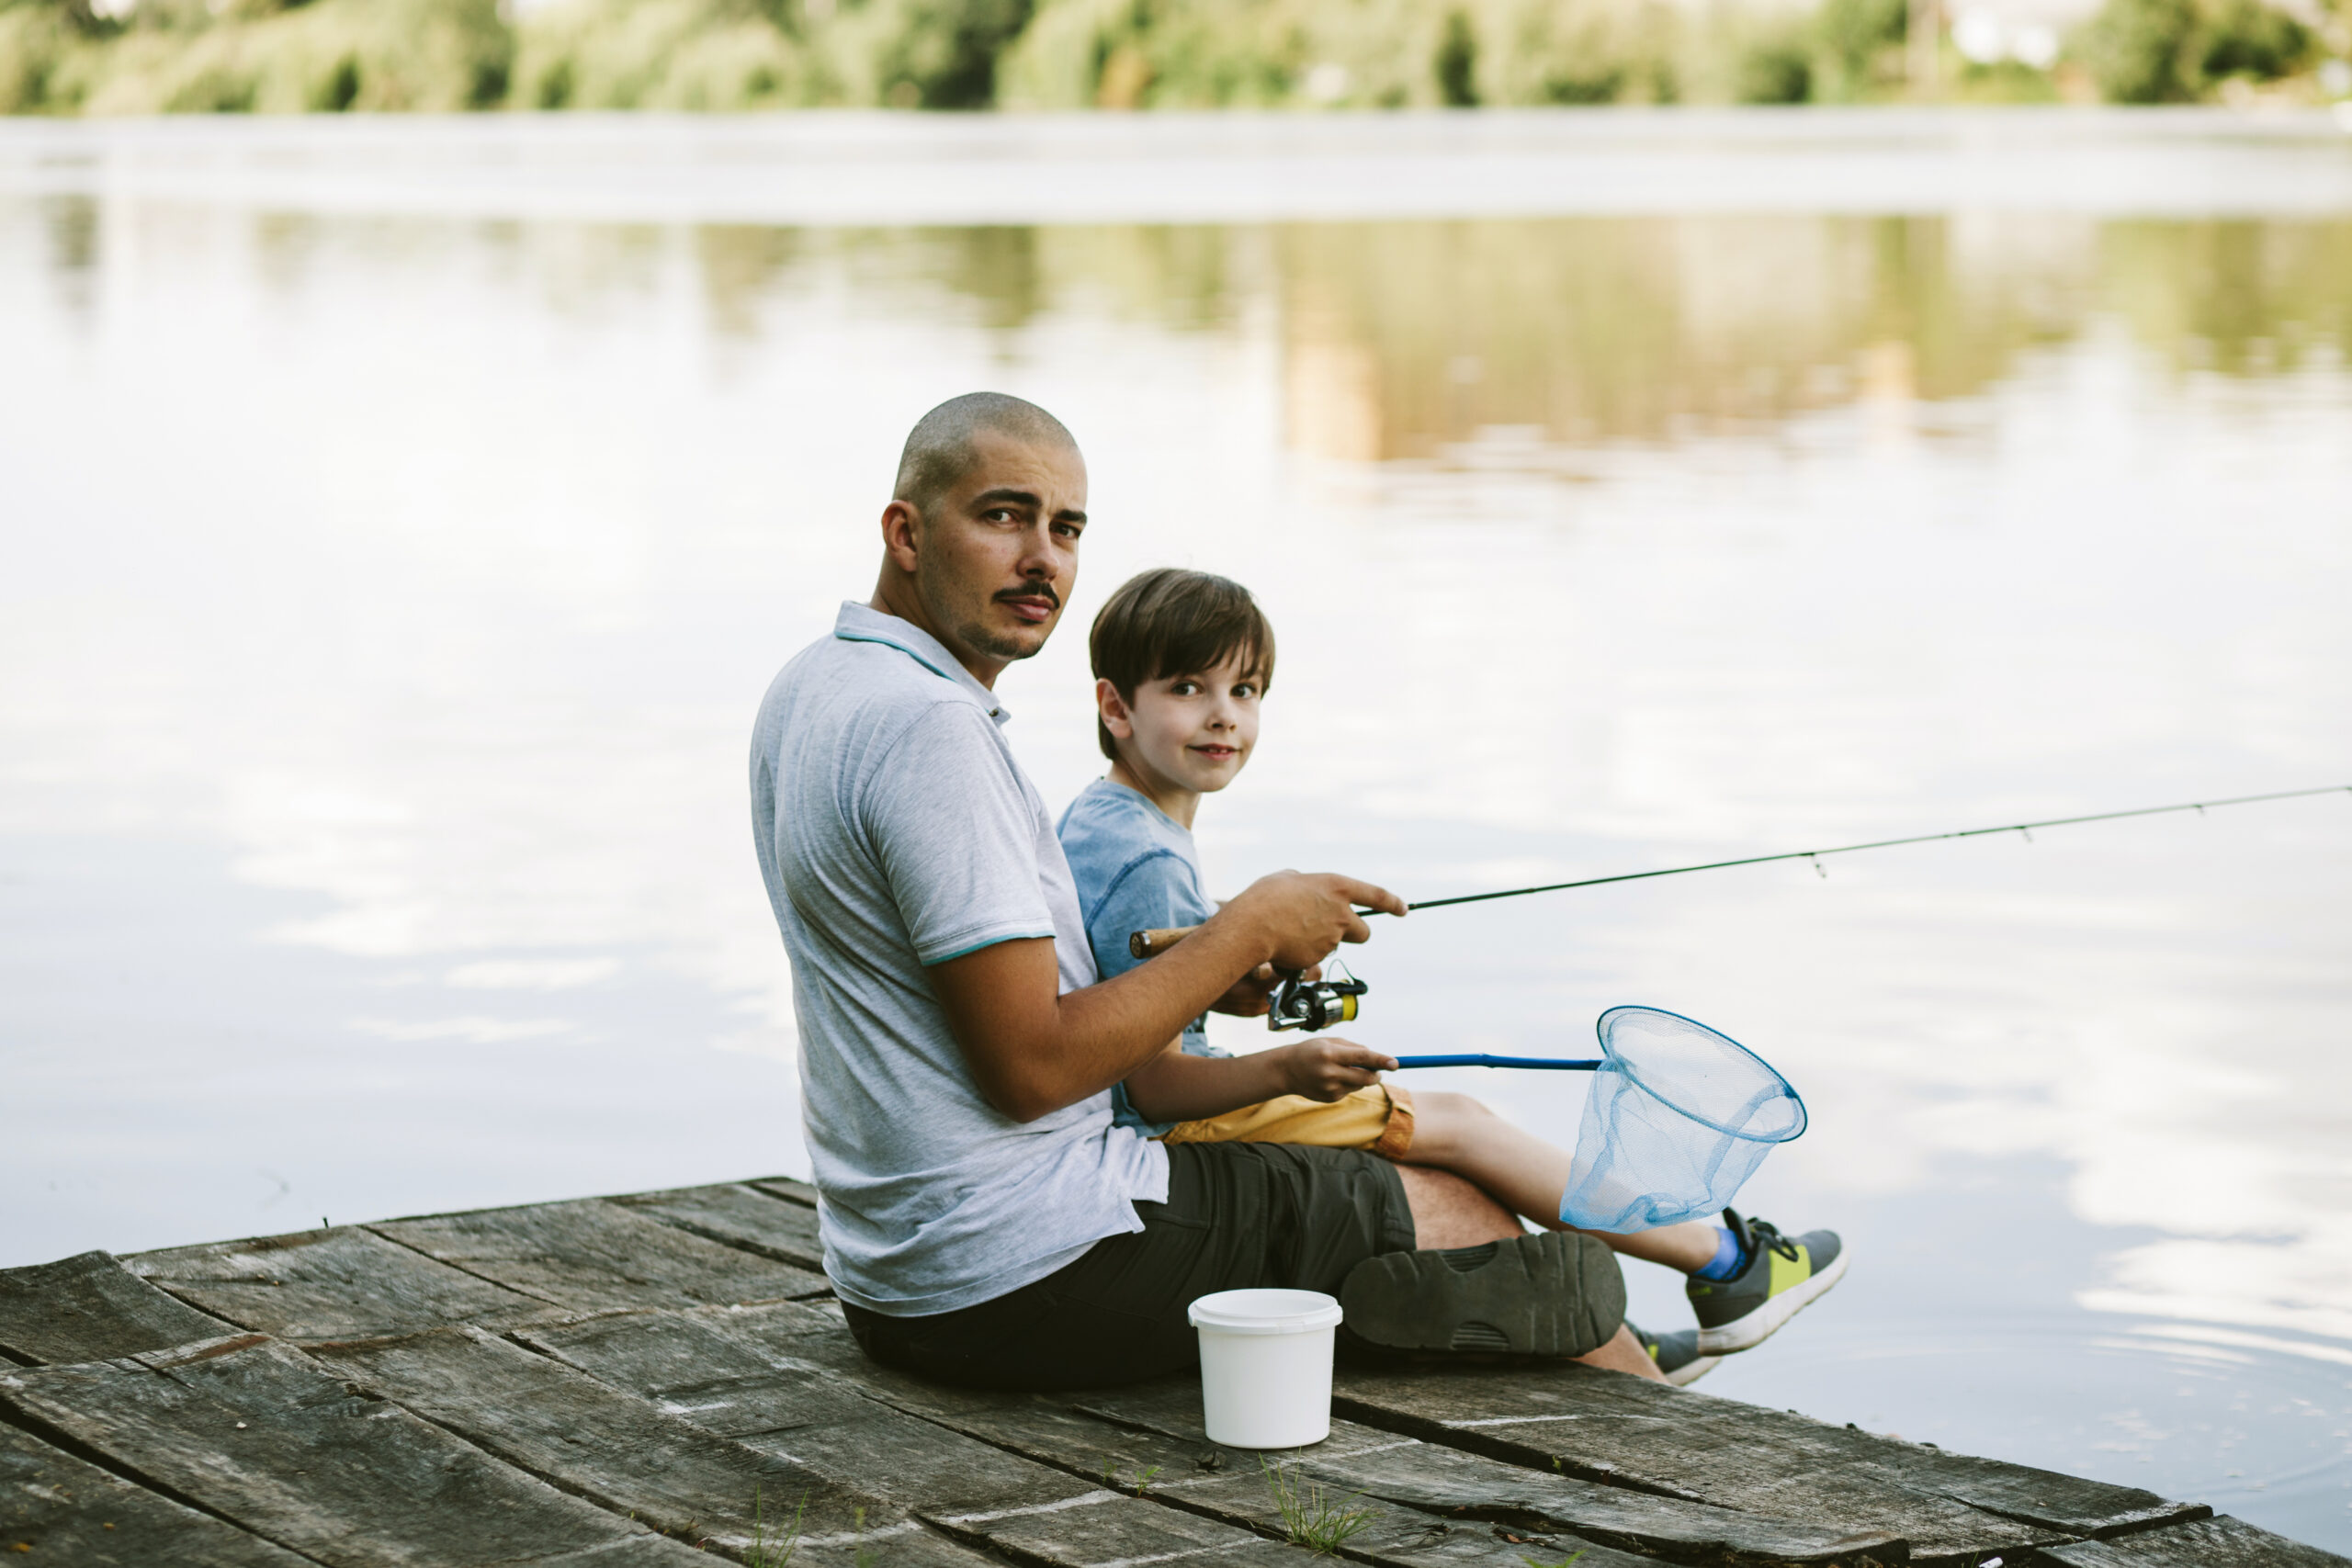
{"x": 1676, "y": 1354}
{"x": 1559, "y": 1293}
{"x": 1783, "y": 1276}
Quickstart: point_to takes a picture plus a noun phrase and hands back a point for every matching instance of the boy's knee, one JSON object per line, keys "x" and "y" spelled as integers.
{"x": 1461, "y": 1107}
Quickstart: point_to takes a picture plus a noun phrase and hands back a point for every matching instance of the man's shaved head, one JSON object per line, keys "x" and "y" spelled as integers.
{"x": 939, "y": 448}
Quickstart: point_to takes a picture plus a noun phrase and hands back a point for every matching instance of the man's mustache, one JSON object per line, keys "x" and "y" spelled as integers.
{"x": 1032, "y": 590}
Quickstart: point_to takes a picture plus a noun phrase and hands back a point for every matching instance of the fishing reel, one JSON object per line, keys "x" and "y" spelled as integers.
{"x": 1313, "y": 1005}
{"x": 1297, "y": 1002}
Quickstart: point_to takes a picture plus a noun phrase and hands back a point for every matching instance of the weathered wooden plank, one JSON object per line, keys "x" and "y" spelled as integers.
{"x": 1159, "y": 1425}
{"x": 740, "y": 1215}
{"x": 689, "y": 1365}
{"x": 1103, "y": 1528}
{"x": 57, "y": 1509}
{"x": 89, "y": 1308}
{"x": 2218, "y": 1542}
{"x": 593, "y": 1256}
{"x": 1681, "y": 1443}
{"x": 254, "y": 1431}
{"x": 345, "y": 1283}
{"x": 692, "y": 1366}
{"x": 787, "y": 1189}
{"x": 1444, "y": 1481}
{"x": 621, "y": 1452}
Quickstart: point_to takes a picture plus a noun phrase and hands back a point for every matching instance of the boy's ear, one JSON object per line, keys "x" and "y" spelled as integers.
{"x": 1113, "y": 708}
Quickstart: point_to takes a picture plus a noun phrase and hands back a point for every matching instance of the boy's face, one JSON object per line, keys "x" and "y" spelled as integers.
{"x": 1192, "y": 732}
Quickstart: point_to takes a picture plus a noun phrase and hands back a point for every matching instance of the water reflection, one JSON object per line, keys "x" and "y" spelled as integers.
{"x": 390, "y": 593}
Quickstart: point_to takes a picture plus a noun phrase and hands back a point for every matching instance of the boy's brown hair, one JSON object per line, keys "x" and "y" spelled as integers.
{"x": 1169, "y": 622}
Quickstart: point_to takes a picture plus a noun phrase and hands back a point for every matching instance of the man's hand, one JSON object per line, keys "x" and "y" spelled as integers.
{"x": 1304, "y": 916}
{"x": 1329, "y": 1069}
{"x": 1034, "y": 1050}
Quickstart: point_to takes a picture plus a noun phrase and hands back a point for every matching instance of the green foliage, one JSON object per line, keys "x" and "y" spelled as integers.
{"x": 1776, "y": 71}
{"x": 331, "y": 56}
{"x": 1141, "y": 1484}
{"x": 2137, "y": 50}
{"x": 663, "y": 54}
{"x": 1457, "y": 64}
{"x": 1860, "y": 47}
{"x": 2163, "y": 51}
{"x": 258, "y": 56}
{"x": 1312, "y": 1517}
{"x": 2245, "y": 37}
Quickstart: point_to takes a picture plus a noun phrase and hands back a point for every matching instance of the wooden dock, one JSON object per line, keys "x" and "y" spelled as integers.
{"x": 655, "y": 1377}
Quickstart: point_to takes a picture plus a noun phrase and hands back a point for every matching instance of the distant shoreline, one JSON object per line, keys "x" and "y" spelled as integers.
{"x": 854, "y": 168}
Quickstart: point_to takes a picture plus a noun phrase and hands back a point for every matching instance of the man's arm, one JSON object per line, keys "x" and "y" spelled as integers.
{"x": 1033, "y": 1051}
{"x": 1174, "y": 1086}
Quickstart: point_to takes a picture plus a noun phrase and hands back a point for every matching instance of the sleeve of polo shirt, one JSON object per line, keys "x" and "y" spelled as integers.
{"x": 956, "y": 835}
{"x": 1151, "y": 892}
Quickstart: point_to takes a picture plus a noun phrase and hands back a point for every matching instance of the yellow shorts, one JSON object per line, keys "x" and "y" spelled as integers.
{"x": 1378, "y": 1117}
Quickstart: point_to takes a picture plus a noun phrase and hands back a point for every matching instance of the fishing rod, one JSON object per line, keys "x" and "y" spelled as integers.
{"x": 1314, "y": 1005}
{"x": 2201, "y": 806}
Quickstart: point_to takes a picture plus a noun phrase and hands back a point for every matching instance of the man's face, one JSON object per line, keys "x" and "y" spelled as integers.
{"x": 997, "y": 556}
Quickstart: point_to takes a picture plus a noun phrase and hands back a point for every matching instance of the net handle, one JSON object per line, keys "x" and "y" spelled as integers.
{"x": 1479, "y": 1061}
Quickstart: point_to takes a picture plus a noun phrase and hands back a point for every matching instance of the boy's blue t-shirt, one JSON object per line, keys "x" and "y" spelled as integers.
{"x": 1136, "y": 870}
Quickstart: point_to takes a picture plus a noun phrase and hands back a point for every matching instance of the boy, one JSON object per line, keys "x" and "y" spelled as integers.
{"x": 1181, "y": 661}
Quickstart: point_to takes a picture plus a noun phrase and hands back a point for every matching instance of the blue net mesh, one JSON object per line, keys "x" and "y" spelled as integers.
{"x": 1679, "y": 1118}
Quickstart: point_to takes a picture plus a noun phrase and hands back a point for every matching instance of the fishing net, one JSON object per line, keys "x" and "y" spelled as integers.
{"x": 1679, "y": 1118}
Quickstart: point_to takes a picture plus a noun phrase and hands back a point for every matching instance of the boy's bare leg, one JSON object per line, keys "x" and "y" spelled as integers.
{"x": 1448, "y": 1212}
{"x": 1456, "y": 1132}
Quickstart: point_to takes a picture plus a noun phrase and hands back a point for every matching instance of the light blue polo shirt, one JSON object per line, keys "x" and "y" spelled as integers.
{"x": 895, "y": 830}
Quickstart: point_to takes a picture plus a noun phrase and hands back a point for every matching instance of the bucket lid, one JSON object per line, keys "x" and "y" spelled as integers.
{"x": 1265, "y": 1311}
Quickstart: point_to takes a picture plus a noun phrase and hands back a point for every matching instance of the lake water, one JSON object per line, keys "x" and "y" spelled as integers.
{"x": 401, "y": 520}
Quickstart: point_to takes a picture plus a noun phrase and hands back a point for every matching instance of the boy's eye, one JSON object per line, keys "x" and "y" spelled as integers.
{"x": 1244, "y": 690}
{"x": 1184, "y": 689}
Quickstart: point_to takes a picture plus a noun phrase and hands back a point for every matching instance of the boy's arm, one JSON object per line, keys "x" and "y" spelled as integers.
{"x": 1034, "y": 1049}
{"x": 1174, "y": 1086}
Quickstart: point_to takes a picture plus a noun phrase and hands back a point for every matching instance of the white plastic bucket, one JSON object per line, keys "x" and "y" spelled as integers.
{"x": 1266, "y": 1367}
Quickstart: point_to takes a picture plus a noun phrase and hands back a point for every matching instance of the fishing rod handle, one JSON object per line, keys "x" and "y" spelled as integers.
{"x": 1143, "y": 944}
{"x": 1553, "y": 1062}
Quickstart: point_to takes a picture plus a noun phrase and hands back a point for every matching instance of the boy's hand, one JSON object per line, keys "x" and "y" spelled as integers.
{"x": 1252, "y": 996}
{"x": 1329, "y": 1069}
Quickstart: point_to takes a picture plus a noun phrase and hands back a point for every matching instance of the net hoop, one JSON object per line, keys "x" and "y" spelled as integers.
{"x": 1618, "y": 1064}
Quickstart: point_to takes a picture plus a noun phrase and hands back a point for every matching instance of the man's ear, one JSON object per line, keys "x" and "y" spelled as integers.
{"x": 1113, "y": 709}
{"x": 901, "y": 534}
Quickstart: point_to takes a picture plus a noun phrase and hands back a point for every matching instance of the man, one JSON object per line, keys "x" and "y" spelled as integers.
{"x": 983, "y": 1220}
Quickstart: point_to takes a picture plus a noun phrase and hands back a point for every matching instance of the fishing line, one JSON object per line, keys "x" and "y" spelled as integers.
{"x": 2026, "y": 829}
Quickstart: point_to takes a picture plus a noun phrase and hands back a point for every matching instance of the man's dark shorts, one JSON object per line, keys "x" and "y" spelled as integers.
{"x": 1237, "y": 1215}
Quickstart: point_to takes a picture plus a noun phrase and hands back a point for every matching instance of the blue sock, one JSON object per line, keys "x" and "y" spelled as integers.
{"x": 1729, "y": 1259}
